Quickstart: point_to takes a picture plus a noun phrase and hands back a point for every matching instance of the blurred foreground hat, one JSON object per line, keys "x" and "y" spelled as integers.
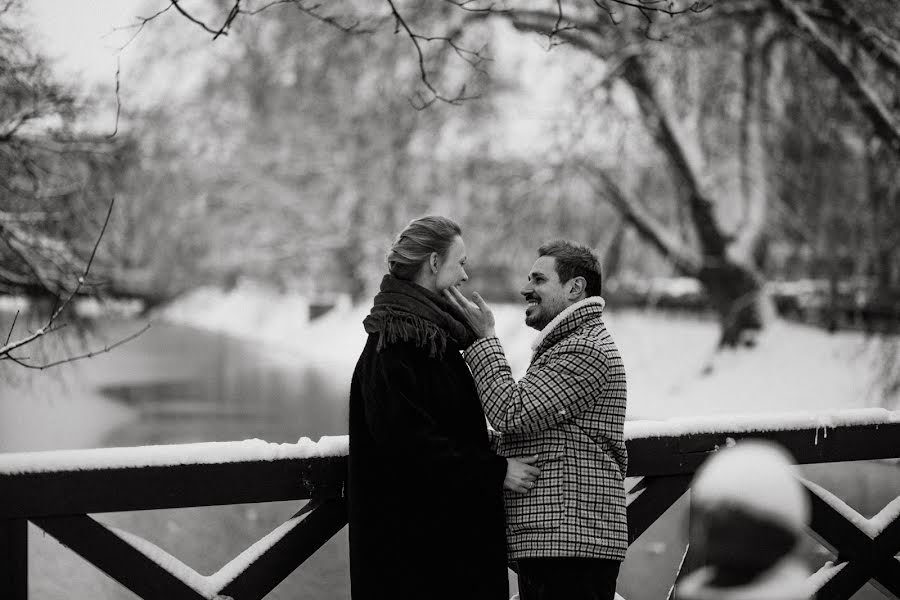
{"x": 747, "y": 514}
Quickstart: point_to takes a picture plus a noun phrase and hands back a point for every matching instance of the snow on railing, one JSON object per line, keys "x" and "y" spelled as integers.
{"x": 758, "y": 422}
{"x": 171, "y": 455}
{"x": 871, "y": 527}
{"x": 334, "y": 446}
{"x": 209, "y": 586}
{"x": 826, "y": 573}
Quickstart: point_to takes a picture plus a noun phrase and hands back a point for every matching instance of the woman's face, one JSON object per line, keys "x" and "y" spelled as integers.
{"x": 451, "y": 267}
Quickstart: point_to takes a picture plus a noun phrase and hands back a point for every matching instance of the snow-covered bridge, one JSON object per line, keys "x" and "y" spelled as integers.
{"x": 58, "y": 491}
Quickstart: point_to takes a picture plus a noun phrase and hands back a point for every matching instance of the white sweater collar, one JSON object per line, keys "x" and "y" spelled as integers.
{"x": 562, "y": 316}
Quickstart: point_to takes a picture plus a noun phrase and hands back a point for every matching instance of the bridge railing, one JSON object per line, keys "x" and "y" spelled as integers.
{"x": 59, "y": 491}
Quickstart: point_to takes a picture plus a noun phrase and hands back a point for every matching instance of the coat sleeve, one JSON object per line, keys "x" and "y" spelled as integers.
{"x": 401, "y": 423}
{"x": 566, "y": 385}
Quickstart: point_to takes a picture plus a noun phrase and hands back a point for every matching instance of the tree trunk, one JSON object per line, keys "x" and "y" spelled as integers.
{"x": 612, "y": 257}
{"x": 723, "y": 263}
{"x": 735, "y": 293}
{"x": 734, "y": 285}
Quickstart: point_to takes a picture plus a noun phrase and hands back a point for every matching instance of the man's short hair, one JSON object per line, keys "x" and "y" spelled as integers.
{"x": 575, "y": 260}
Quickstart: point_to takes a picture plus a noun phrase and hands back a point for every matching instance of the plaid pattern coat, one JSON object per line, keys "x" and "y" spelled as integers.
{"x": 569, "y": 409}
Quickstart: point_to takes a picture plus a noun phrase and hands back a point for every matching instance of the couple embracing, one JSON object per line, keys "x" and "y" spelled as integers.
{"x": 438, "y": 502}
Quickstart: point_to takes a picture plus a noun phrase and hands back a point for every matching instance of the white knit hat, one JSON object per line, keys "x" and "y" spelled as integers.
{"x": 747, "y": 512}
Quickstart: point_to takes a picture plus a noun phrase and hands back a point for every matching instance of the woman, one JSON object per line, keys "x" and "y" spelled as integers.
{"x": 425, "y": 491}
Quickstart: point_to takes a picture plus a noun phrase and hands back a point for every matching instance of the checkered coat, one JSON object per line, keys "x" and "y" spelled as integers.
{"x": 569, "y": 409}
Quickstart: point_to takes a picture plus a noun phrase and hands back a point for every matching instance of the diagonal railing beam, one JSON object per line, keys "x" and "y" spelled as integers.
{"x": 14, "y": 559}
{"x": 650, "y": 499}
{"x": 887, "y": 572}
{"x": 328, "y": 516}
{"x": 117, "y": 558}
{"x": 867, "y": 559}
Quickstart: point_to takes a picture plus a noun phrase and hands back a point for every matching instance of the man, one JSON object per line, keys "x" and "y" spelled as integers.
{"x": 569, "y": 533}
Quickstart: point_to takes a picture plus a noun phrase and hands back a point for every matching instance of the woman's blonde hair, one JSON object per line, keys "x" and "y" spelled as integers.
{"x": 416, "y": 243}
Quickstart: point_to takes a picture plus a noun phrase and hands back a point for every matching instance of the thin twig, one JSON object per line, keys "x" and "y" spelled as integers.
{"x": 49, "y": 328}
{"x": 11, "y": 327}
{"x": 235, "y": 10}
{"x": 423, "y": 101}
{"x": 21, "y": 361}
{"x": 311, "y": 11}
{"x": 90, "y": 261}
{"x": 138, "y": 26}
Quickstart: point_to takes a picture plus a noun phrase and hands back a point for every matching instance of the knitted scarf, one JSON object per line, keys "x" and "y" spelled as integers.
{"x": 405, "y": 311}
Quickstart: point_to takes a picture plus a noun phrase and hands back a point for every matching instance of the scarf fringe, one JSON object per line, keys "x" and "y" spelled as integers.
{"x": 395, "y": 326}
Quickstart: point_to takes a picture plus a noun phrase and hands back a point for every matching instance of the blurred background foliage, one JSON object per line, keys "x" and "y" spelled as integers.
{"x": 750, "y": 146}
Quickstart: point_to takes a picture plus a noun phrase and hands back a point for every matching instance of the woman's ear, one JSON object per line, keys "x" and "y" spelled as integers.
{"x": 433, "y": 262}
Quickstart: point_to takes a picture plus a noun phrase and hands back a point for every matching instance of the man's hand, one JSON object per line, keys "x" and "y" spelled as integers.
{"x": 477, "y": 313}
{"x": 520, "y": 474}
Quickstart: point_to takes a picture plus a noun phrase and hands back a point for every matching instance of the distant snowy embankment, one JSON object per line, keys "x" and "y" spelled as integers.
{"x": 335, "y": 340}
{"x": 672, "y": 364}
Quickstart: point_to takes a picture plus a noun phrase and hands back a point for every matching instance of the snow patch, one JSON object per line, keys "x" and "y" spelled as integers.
{"x": 871, "y": 527}
{"x": 815, "y": 581}
{"x": 209, "y": 585}
{"x": 251, "y": 311}
{"x": 672, "y": 362}
{"x": 885, "y": 517}
{"x": 171, "y": 454}
{"x": 753, "y": 422}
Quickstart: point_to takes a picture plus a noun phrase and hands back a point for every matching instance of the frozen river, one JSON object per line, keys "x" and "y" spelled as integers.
{"x": 175, "y": 384}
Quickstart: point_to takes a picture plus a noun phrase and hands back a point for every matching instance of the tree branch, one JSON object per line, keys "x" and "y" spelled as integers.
{"x": 645, "y": 7}
{"x": 685, "y": 160}
{"x": 9, "y": 347}
{"x": 883, "y": 52}
{"x": 312, "y": 11}
{"x": 423, "y": 102}
{"x": 869, "y": 103}
{"x": 685, "y": 260}
{"x": 22, "y": 361}
{"x": 223, "y": 30}
{"x": 753, "y": 177}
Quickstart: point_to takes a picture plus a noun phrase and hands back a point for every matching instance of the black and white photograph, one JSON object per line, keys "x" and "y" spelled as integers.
{"x": 450, "y": 299}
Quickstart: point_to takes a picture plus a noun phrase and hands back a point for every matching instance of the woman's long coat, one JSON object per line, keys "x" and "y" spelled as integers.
{"x": 425, "y": 492}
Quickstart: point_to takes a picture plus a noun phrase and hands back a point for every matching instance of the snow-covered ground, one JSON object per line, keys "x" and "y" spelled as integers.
{"x": 673, "y": 368}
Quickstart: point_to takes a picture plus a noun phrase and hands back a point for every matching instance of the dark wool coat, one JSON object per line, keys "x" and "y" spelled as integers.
{"x": 425, "y": 492}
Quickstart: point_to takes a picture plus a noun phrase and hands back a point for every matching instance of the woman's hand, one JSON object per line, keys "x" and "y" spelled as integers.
{"x": 520, "y": 474}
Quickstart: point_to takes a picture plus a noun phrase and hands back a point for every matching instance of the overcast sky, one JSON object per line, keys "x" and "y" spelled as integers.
{"x": 75, "y": 33}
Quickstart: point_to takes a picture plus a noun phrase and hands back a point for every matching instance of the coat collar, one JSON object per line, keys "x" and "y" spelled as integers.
{"x": 559, "y": 323}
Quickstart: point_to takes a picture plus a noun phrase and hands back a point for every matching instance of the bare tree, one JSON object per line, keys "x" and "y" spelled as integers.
{"x": 51, "y": 180}
{"x": 12, "y": 348}
{"x": 630, "y": 40}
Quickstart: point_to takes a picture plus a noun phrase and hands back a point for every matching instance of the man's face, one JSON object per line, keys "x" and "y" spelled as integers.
{"x": 544, "y": 294}
{"x": 451, "y": 268}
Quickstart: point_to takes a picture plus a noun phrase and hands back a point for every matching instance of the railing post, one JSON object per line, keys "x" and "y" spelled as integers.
{"x": 14, "y": 559}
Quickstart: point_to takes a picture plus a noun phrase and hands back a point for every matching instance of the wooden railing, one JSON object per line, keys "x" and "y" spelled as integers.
{"x": 61, "y": 499}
